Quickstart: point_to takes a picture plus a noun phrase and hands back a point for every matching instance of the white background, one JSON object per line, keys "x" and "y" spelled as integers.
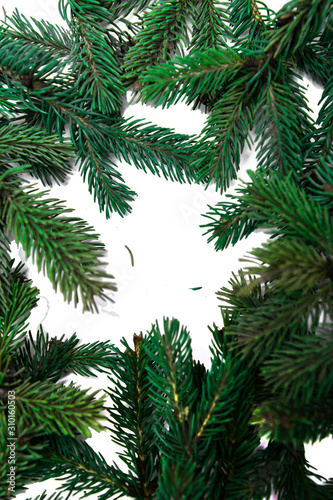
{"x": 171, "y": 256}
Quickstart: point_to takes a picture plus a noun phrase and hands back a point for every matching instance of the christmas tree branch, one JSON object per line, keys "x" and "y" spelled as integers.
{"x": 64, "y": 247}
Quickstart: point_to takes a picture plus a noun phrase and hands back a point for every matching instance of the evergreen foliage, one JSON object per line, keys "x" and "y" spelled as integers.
{"x": 186, "y": 431}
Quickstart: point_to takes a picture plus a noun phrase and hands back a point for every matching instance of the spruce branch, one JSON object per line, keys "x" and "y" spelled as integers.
{"x": 59, "y": 409}
{"x": 122, "y": 8}
{"x": 164, "y": 31}
{"x": 48, "y": 359}
{"x": 225, "y": 135}
{"x": 92, "y": 58}
{"x": 289, "y": 210}
{"x": 190, "y": 77}
{"x": 19, "y": 297}
{"x": 52, "y": 37}
{"x": 133, "y": 417}
{"x": 310, "y": 356}
{"x": 210, "y": 26}
{"x": 43, "y": 154}
{"x": 279, "y": 138}
{"x": 292, "y": 472}
{"x": 246, "y": 18}
{"x": 297, "y": 24}
{"x": 27, "y": 451}
{"x": 64, "y": 247}
{"x": 157, "y": 149}
{"x": 79, "y": 466}
{"x": 229, "y": 223}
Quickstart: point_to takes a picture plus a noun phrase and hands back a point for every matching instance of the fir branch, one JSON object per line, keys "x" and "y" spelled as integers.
{"x": 5, "y": 273}
{"x": 261, "y": 330}
{"x": 302, "y": 22}
{"x": 92, "y": 58}
{"x": 290, "y": 472}
{"x": 320, "y": 184}
{"x": 172, "y": 352}
{"x": 225, "y": 135}
{"x": 293, "y": 264}
{"x": 48, "y": 359}
{"x": 45, "y": 155}
{"x": 294, "y": 422}
{"x": 79, "y": 467}
{"x": 27, "y": 451}
{"x": 210, "y": 28}
{"x": 181, "y": 480}
{"x": 163, "y": 33}
{"x": 60, "y": 409}
{"x": 21, "y": 298}
{"x": 314, "y": 61}
{"x": 247, "y": 17}
{"x": 64, "y": 247}
{"x": 290, "y": 210}
{"x": 158, "y": 149}
{"x": 133, "y": 416}
{"x": 52, "y": 37}
{"x": 278, "y": 137}
{"x": 301, "y": 369}
{"x": 104, "y": 181}
{"x": 191, "y": 77}
{"x": 26, "y": 62}
{"x": 320, "y": 141}
{"x": 230, "y": 222}
{"x": 119, "y": 8}
{"x": 43, "y": 496}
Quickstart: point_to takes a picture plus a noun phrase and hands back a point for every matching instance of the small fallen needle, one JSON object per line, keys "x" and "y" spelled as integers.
{"x": 132, "y": 258}
{"x": 5, "y": 13}
{"x": 196, "y": 288}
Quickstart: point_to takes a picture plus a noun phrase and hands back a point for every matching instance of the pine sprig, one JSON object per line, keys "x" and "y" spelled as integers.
{"x": 133, "y": 418}
{"x": 92, "y": 58}
{"x": 64, "y": 247}
{"x": 79, "y": 466}
{"x": 60, "y": 409}
{"x": 225, "y": 135}
{"x": 164, "y": 31}
{"x": 210, "y": 26}
{"x": 15, "y": 311}
{"x": 48, "y": 359}
{"x": 44, "y": 155}
{"x": 189, "y": 77}
{"x": 52, "y": 37}
{"x": 304, "y": 20}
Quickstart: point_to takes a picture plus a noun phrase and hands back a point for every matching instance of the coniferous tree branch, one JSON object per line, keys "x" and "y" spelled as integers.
{"x": 18, "y": 298}
{"x": 210, "y": 28}
{"x": 43, "y": 154}
{"x": 163, "y": 33}
{"x": 48, "y": 359}
{"x": 297, "y": 356}
{"x": 64, "y": 247}
{"x": 92, "y": 58}
{"x": 190, "y": 77}
{"x": 80, "y": 466}
{"x": 297, "y": 23}
{"x": 122, "y": 8}
{"x": 134, "y": 413}
{"x": 58, "y": 408}
{"x": 225, "y": 135}
{"x": 50, "y": 36}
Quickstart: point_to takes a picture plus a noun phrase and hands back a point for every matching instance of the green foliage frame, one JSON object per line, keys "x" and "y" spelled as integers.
{"x": 187, "y": 431}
